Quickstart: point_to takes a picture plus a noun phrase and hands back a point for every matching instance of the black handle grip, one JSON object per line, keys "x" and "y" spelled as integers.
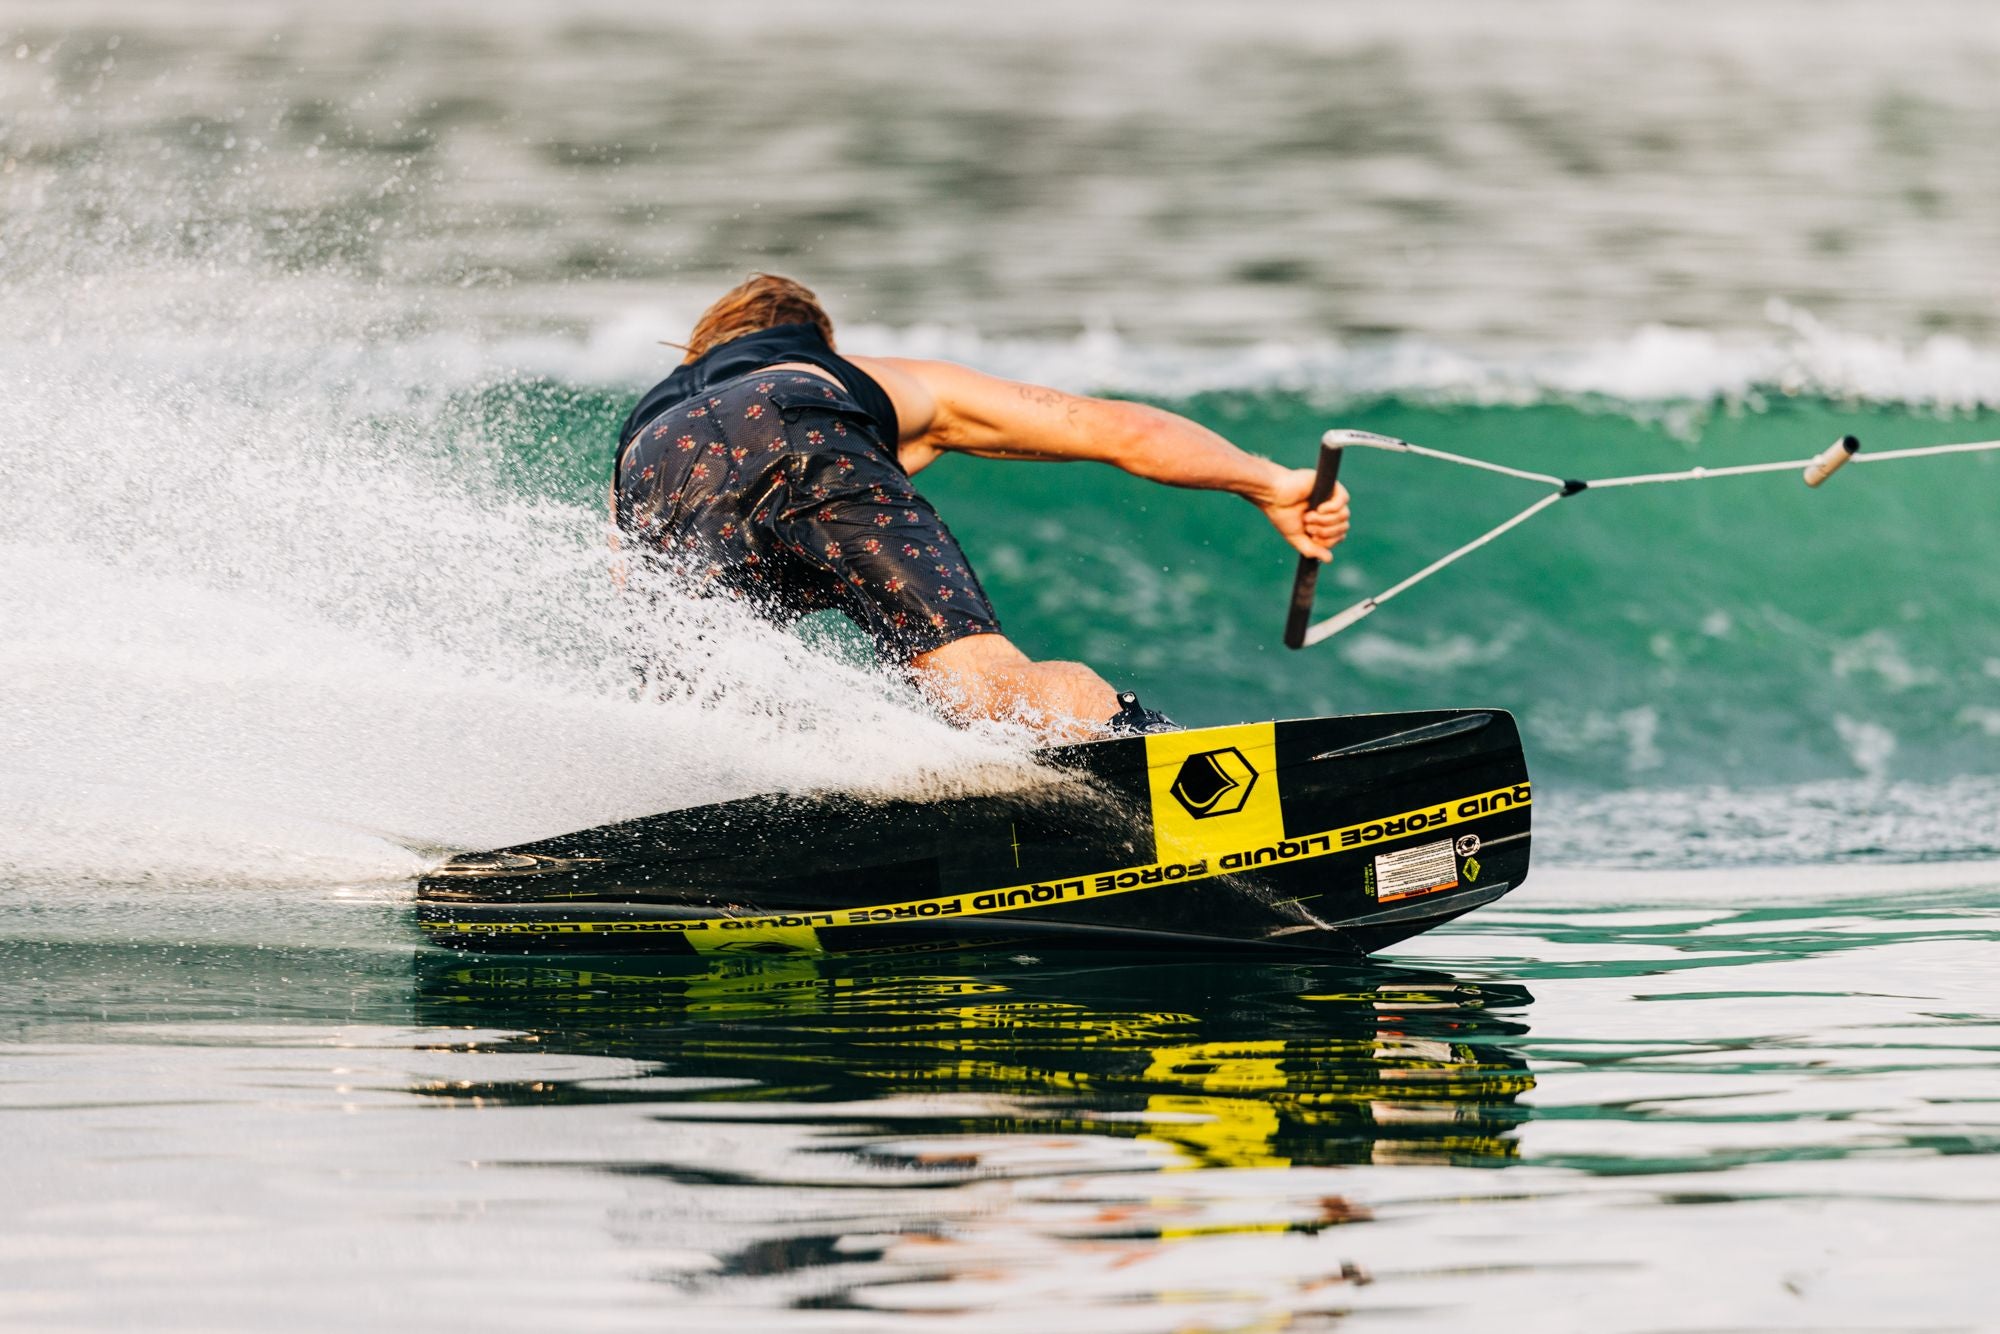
{"x": 1307, "y": 579}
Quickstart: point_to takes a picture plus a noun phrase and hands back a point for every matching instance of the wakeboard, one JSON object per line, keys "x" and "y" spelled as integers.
{"x": 1339, "y": 835}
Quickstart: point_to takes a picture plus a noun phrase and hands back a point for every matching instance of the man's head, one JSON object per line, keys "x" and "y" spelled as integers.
{"x": 763, "y": 301}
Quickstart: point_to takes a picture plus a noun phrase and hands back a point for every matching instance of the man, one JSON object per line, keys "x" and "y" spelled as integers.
{"x": 771, "y": 468}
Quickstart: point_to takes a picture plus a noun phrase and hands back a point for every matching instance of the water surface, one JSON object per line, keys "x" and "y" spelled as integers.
{"x": 1634, "y": 1101}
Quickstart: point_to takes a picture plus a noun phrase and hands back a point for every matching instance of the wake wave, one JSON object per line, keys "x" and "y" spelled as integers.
{"x": 285, "y": 597}
{"x": 1654, "y": 368}
{"x": 317, "y": 333}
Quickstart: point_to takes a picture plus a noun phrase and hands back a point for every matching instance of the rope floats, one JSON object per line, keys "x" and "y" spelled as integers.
{"x": 1299, "y": 633}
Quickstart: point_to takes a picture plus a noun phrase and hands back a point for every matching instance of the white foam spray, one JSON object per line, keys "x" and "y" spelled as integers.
{"x": 264, "y": 615}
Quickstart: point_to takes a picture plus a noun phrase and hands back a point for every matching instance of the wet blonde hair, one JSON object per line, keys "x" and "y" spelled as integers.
{"x": 761, "y": 301}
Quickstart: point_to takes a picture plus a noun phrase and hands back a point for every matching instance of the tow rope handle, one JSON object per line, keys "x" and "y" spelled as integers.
{"x": 1300, "y": 633}
{"x": 1307, "y": 579}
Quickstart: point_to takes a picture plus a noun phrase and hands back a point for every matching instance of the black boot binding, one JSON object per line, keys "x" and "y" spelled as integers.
{"x": 1135, "y": 719}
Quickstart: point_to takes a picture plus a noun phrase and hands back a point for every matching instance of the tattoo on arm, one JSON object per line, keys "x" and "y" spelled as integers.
{"x": 1035, "y": 393}
{"x": 1051, "y": 398}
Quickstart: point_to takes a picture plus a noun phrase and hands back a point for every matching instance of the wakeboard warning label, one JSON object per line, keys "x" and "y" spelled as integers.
{"x": 1424, "y": 869}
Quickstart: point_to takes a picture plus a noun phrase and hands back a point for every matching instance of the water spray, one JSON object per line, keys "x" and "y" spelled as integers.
{"x": 1299, "y": 632}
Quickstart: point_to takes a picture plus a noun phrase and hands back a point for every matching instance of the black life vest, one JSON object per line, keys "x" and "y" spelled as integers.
{"x": 753, "y": 352}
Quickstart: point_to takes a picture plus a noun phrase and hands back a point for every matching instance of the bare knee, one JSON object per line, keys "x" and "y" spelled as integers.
{"x": 986, "y": 676}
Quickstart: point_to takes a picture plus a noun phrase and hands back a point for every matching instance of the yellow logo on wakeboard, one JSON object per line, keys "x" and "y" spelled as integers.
{"x": 1210, "y": 799}
{"x": 1214, "y": 782}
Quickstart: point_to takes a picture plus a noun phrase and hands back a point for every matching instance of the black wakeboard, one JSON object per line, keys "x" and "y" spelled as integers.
{"x": 1318, "y": 834}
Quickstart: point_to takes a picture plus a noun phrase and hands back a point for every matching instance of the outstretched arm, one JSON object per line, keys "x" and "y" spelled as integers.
{"x": 943, "y": 406}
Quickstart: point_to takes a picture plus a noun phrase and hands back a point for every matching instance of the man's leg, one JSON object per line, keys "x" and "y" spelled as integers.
{"x": 985, "y": 676}
{"x": 890, "y": 563}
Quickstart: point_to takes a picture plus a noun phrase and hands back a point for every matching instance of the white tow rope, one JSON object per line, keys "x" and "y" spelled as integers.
{"x": 1815, "y": 470}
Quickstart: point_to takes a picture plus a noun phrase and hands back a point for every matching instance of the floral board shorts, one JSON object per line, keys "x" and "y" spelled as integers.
{"x": 772, "y": 487}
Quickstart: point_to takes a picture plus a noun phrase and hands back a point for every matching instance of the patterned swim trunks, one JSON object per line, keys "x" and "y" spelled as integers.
{"x": 772, "y": 487}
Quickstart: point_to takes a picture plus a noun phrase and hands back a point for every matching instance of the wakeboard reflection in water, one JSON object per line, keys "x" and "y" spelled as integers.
{"x": 1230, "y": 1064}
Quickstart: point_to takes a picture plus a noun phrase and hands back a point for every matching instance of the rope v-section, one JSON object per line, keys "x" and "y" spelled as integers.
{"x": 1298, "y": 634}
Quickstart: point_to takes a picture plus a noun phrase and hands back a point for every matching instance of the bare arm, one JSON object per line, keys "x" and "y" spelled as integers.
{"x": 946, "y": 407}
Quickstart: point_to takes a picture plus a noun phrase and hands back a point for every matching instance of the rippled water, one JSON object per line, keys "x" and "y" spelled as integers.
{"x": 1748, "y": 1100}
{"x": 1469, "y": 172}
{"x": 316, "y": 323}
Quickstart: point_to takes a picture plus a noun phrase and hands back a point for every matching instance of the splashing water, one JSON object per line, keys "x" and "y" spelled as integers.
{"x": 265, "y": 618}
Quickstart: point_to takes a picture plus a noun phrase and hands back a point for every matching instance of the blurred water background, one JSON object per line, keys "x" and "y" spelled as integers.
{"x": 317, "y": 321}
